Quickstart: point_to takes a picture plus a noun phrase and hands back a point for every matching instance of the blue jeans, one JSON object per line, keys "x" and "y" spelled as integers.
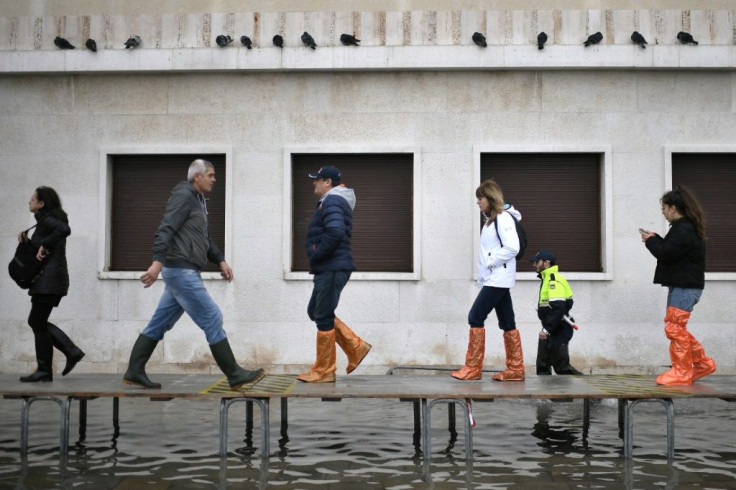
{"x": 490, "y": 298}
{"x": 683, "y": 298}
{"x": 325, "y": 297}
{"x": 185, "y": 292}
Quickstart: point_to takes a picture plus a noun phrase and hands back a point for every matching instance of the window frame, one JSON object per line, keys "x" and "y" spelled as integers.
{"x": 668, "y": 151}
{"x": 104, "y": 224}
{"x": 416, "y": 212}
{"x": 606, "y": 187}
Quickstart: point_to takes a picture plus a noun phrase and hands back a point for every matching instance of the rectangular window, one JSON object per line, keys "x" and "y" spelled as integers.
{"x": 711, "y": 176}
{"x": 384, "y": 226}
{"x": 561, "y": 199}
{"x": 140, "y": 185}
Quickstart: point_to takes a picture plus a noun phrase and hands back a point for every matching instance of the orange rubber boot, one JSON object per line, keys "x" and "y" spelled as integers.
{"x": 474, "y": 357}
{"x": 681, "y": 355}
{"x": 354, "y": 347}
{"x": 324, "y": 367}
{"x": 702, "y": 364}
{"x": 514, "y": 358}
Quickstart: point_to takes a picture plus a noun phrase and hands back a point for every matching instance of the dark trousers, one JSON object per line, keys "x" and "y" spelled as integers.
{"x": 38, "y": 320}
{"x": 492, "y": 298}
{"x": 325, "y": 297}
{"x": 553, "y": 356}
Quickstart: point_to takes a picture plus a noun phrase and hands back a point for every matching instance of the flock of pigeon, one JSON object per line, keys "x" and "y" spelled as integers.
{"x": 594, "y": 38}
{"x": 221, "y": 40}
{"x": 348, "y": 40}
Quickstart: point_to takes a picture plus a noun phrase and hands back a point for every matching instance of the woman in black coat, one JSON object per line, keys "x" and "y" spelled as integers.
{"x": 52, "y": 228}
{"x": 681, "y": 269}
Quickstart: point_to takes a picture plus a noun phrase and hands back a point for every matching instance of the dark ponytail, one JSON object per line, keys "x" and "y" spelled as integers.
{"x": 683, "y": 199}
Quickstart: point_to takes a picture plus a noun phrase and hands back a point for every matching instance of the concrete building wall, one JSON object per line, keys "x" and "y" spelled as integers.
{"x": 57, "y": 122}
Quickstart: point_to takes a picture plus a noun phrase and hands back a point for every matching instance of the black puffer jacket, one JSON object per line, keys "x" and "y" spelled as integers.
{"x": 51, "y": 232}
{"x": 680, "y": 256}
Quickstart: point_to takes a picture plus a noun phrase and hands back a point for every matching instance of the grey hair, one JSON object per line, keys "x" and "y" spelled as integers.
{"x": 198, "y": 166}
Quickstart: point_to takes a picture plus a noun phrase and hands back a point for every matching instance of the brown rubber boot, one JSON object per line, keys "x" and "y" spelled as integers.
{"x": 514, "y": 358}
{"x": 324, "y": 367}
{"x": 474, "y": 357}
{"x": 680, "y": 353}
{"x": 354, "y": 347}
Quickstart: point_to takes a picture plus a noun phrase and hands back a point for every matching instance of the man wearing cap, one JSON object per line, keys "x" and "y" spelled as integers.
{"x": 555, "y": 302}
{"x": 331, "y": 261}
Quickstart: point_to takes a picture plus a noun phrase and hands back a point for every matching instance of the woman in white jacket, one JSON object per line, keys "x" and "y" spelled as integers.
{"x": 499, "y": 244}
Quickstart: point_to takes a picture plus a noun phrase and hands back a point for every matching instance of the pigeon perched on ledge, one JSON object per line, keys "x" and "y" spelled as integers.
{"x": 308, "y": 40}
{"x": 347, "y": 40}
{"x": 91, "y": 45}
{"x": 245, "y": 41}
{"x": 223, "y": 41}
{"x": 593, "y": 39}
{"x": 686, "y": 38}
{"x": 637, "y": 38}
{"x": 541, "y": 39}
{"x": 479, "y": 39}
{"x": 133, "y": 42}
{"x": 62, "y": 43}
{"x": 278, "y": 41}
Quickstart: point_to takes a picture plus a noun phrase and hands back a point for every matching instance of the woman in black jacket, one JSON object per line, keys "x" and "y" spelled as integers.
{"x": 681, "y": 268}
{"x": 52, "y": 228}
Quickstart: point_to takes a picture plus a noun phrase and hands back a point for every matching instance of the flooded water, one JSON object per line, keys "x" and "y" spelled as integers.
{"x": 370, "y": 444}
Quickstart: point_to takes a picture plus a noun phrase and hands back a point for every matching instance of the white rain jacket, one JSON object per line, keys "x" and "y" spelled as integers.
{"x": 496, "y": 264}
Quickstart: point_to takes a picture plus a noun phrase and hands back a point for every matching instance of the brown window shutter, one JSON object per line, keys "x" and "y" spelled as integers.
{"x": 559, "y": 198}
{"x": 712, "y": 176}
{"x": 141, "y": 185}
{"x": 383, "y": 216}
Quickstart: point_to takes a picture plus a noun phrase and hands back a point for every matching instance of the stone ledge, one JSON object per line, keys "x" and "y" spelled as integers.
{"x": 369, "y": 58}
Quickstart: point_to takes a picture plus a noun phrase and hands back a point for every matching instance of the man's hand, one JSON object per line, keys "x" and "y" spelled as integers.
{"x": 226, "y": 272}
{"x": 542, "y": 335}
{"x": 150, "y": 276}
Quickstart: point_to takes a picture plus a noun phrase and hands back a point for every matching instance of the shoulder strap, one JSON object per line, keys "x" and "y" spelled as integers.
{"x": 29, "y": 229}
{"x": 495, "y": 222}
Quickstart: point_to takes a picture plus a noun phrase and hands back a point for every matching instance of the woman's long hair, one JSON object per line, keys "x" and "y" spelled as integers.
{"x": 491, "y": 191}
{"x": 51, "y": 201}
{"x": 687, "y": 205}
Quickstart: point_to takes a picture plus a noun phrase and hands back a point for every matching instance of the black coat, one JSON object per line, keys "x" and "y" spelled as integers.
{"x": 680, "y": 256}
{"x": 51, "y": 232}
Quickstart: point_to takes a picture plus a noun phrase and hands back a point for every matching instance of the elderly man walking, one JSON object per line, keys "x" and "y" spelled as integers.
{"x": 181, "y": 248}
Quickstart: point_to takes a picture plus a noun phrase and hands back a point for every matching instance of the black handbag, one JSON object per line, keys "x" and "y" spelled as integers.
{"x": 25, "y": 268}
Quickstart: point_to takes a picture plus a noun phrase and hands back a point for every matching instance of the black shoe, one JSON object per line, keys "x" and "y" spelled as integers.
{"x": 62, "y": 342}
{"x": 136, "y": 372}
{"x": 37, "y": 377}
{"x": 236, "y": 375}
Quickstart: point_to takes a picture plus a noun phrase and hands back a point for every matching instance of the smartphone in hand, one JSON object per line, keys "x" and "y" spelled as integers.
{"x": 643, "y": 231}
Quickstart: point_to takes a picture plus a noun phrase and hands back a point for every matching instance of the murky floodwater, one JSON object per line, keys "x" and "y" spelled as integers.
{"x": 369, "y": 444}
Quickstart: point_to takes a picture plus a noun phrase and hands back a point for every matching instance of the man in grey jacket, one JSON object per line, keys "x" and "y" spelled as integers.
{"x": 181, "y": 248}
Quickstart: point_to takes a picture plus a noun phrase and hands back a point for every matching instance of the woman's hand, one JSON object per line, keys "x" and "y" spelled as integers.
{"x": 41, "y": 254}
{"x": 646, "y": 234}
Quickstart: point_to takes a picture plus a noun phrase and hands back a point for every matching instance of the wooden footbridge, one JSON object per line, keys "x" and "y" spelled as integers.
{"x": 424, "y": 391}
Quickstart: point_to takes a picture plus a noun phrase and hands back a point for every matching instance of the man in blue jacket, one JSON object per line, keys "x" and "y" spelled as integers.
{"x": 331, "y": 262}
{"x": 181, "y": 248}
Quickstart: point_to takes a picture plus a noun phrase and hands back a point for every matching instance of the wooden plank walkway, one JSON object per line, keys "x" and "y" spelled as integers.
{"x": 425, "y": 391}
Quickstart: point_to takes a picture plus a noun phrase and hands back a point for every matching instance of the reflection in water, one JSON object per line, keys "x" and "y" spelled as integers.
{"x": 371, "y": 444}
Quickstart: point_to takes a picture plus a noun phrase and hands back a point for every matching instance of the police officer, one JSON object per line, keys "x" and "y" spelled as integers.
{"x": 555, "y": 302}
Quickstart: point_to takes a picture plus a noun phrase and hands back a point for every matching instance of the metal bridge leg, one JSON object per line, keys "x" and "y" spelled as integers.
{"x": 426, "y": 432}
{"x": 64, "y": 422}
{"x": 263, "y": 404}
{"x": 629, "y": 431}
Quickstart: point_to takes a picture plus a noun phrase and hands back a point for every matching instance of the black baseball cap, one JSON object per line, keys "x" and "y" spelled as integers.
{"x": 327, "y": 172}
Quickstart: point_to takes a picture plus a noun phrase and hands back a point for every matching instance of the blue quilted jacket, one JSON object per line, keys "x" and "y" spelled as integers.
{"x": 330, "y": 232}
